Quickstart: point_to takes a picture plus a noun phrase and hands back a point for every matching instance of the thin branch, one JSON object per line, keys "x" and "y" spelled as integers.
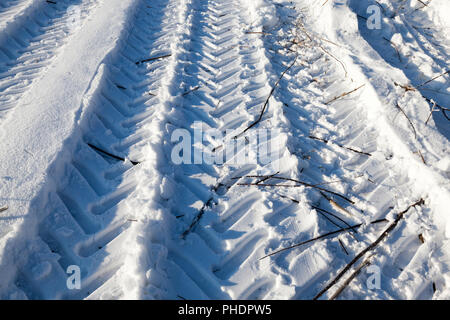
{"x": 340, "y": 145}
{"x": 153, "y": 59}
{"x": 344, "y": 94}
{"x": 342, "y": 246}
{"x": 263, "y": 110}
{"x": 358, "y": 270}
{"x": 322, "y": 237}
{"x": 190, "y": 91}
{"x": 110, "y": 154}
{"x": 409, "y": 120}
{"x": 372, "y": 246}
{"x": 301, "y": 183}
{"x": 267, "y": 177}
{"x": 426, "y": 82}
{"x": 3, "y": 209}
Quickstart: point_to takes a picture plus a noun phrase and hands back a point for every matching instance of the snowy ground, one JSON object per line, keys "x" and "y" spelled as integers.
{"x": 93, "y": 93}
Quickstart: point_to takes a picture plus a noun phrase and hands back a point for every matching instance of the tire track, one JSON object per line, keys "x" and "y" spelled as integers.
{"x": 233, "y": 84}
{"x": 376, "y": 183}
{"x": 89, "y": 220}
{"x": 31, "y": 40}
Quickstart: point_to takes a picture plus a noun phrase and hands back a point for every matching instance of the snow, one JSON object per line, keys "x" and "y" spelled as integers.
{"x": 354, "y": 135}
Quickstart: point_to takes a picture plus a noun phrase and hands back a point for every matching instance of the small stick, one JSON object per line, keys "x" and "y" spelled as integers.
{"x": 197, "y": 218}
{"x": 339, "y": 145}
{"x": 301, "y": 183}
{"x": 333, "y": 215}
{"x": 336, "y": 205}
{"x": 3, "y": 209}
{"x": 421, "y": 156}
{"x": 52, "y": 2}
{"x": 321, "y": 237}
{"x": 344, "y": 94}
{"x": 200, "y": 214}
{"x": 110, "y": 154}
{"x": 342, "y": 246}
{"x": 395, "y": 47}
{"x": 153, "y": 59}
{"x": 257, "y": 32}
{"x": 267, "y": 177}
{"x": 426, "y": 82}
{"x": 190, "y": 91}
{"x": 409, "y": 120}
{"x": 358, "y": 270}
{"x": 372, "y": 246}
{"x": 263, "y": 110}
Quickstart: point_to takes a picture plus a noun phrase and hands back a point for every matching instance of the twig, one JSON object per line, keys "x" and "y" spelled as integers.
{"x": 257, "y": 32}
{"x": 343, "y": 247}
{"x": 110, "y": 154}
{"x": 321, "y": 237}
{"x": 324, "y": 50}
{"x": 267, "y": 177}
{"x": 339, "y": 145}
{"x": 3, "y": 209}
{"x": 200, "y": 214}
{"x": 344, "y": 94}
{"x": 395, "y": 47}
{"x": 409, "y": 120}
{"x": 421, "y": 156}
{"x": 263, "y": 110}
{"x": 333, "y": 215}
{"x": 335, "y": 204}
{"x": 300, "y": 184}
{"x": 372, "y": 246}
{"x": 190, "y": 91}
{"x": 426, "y": 82}
{"x": 197, "y": 217}
{"x": 153, "y": 59}
{"x": 433, "y": 103}
{"x": 358, "y": 270}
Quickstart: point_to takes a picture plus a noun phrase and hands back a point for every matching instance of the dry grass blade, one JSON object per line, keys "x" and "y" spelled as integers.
{"x": 409, "y": 120}
{"x": 190, "y": 91}
{"x": 110, "y": 154}
{"x": 300, "y": 183}
{"x": 197, "y": 217}
{"x": 344, "y": 94}
{"x": 321, "y": 237}
{"x": 372, "y": 246}
{"x": 342, "y": 246}
{"x": 341, "y": 146}
{"x": 426, "y": 82}
{"x": 358, "y": 270}
{"x": 153, "y": 59}
{"x": 266, "y": 103}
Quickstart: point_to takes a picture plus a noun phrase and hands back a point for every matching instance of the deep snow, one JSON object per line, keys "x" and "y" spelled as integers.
{"x": 354, "y": 133}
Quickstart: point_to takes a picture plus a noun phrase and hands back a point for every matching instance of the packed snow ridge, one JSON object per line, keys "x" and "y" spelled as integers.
{"x": 224, "y": 149}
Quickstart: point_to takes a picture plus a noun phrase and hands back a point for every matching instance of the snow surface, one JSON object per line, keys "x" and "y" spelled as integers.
{"x": 73, "y": 76}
